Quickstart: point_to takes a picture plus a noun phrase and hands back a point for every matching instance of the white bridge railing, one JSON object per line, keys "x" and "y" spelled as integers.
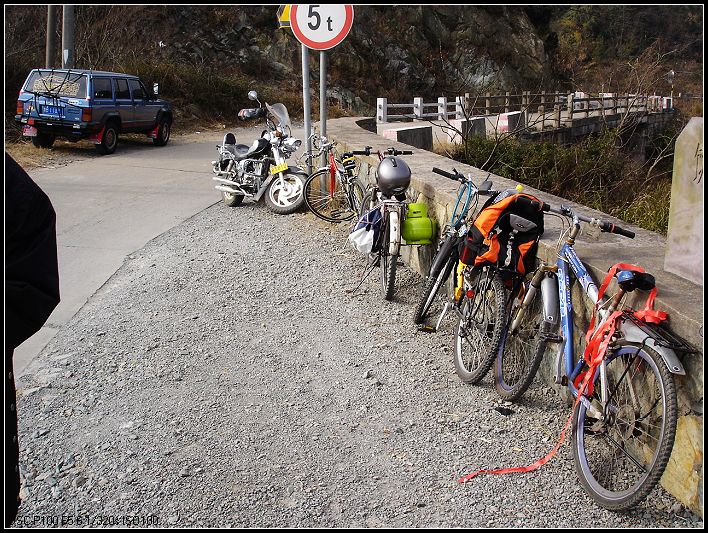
{"x": 558, "y": 107}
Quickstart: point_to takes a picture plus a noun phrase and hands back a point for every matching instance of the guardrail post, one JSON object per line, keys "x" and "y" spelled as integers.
{"x": 557, "y": 116}
{"x": 381, "y": 110}
{"x": 570, "y": 107}
{"x": 442, "y": 108}
{"x": 460, "y": 108}
{"x": 418, "y": 108}
{"x": 506, "y": 102}
{"x": 542, "y": 111}
{"x": 543, "y": 98}
{"x": 468, "y": 112}
{"x": 487, "y": 104}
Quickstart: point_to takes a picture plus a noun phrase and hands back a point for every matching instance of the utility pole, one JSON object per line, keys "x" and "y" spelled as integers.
{"x": 67, "y": 37}
{"x": 51, "y": 50}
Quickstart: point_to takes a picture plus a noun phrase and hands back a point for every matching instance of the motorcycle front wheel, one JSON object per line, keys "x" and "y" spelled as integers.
{"x": 285, "y": 194}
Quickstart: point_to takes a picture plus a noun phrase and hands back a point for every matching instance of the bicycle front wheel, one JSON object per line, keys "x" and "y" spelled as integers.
{"x": 521, "y": 351}
{"x": 480, "y": 328}
{"x": 620, "y": 458}
{"x": 330, "y": 199}
{"x": 432, "y": 286}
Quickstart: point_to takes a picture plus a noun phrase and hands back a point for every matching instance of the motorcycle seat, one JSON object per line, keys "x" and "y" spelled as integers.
{"x": 239, "y": 151}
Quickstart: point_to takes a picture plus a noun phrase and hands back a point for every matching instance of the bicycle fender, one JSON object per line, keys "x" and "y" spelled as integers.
{"x": 551, "y": 305}
{"x": 394, "y": 233}
{"x": 443, "y": 255}
{"x": 632, "y": 333}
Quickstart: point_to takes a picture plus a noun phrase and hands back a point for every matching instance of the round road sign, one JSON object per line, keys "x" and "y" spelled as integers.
{"x": 321, "y": 26}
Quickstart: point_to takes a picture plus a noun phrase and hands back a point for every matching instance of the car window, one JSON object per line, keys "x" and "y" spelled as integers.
{"x": 69, "y": 84}
{"x": 137, "y": 89}
{"x": 122, "y": 92}
{"x": 102, "y": 88}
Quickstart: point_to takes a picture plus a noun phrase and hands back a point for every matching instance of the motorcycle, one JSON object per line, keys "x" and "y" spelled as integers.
{"x": 261, "y": 170}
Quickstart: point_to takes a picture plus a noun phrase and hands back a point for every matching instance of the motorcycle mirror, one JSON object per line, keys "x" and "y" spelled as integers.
{"x": 252, "y": 95}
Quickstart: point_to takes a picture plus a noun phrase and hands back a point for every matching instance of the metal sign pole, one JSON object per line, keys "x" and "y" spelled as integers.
{"x": 67, "y": 37}
{"x": 306, "y": 102}
{"x": 323, "y": 99}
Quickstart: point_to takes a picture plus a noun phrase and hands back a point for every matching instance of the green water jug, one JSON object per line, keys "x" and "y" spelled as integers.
{"x": 417, "y": 228}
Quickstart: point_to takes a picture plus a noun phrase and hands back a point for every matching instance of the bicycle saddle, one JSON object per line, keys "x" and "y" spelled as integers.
{"x": 520, "y": 224}
{"x": 630, "y": 280}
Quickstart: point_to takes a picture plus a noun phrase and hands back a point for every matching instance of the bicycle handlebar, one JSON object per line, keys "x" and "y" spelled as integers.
{"x": 456, "y": 176}
{"x": 388, "y": 151}
{"x": 606, "y": 227}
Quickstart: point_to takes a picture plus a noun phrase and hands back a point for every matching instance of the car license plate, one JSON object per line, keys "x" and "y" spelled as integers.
{"x": 51, "y": 110}
{"x": 278, "y": 168}
{"x": 29, "y": 131}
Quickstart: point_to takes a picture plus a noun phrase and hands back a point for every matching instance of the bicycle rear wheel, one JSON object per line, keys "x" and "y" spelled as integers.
{"x": 335, "y": 201}
{"x": 520, "y": 352}
{"x": 480, "y": 327}
{"x": 620, "y": 459}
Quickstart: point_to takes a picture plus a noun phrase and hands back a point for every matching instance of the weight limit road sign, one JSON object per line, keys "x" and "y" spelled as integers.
{"x": 323, "y": 26}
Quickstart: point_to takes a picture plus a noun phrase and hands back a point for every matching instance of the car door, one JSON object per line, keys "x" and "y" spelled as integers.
{"x": 124, "y": 104}
{"x": 144, "y": 118}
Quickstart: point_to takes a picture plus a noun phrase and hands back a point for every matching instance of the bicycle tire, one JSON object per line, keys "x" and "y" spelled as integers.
{"x": 334, "y": 206}
{"x": 646, "y": 435}
{"x": 520, "y": 353}
{"x": 480, "y": 326}
{"x": 432, "y": 286}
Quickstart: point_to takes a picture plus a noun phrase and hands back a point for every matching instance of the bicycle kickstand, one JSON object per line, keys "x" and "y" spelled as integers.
{"x": 433, "y": 329}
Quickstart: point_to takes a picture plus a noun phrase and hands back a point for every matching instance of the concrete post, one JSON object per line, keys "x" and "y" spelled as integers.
{"x": 67, "y": 37}
{"x": 381, "y": 110}
{"x": 543, "y": 98}
{"x": 570, "y": 107}
{"x": 442, "y": 108}
{"x": 487, "y": 105}
{"x": 557, "y": 116}
{"x": 460, "y": 108}
{"x": 468, "y": 111}
{"x": 506, "y": 102}
{"x": 541, "y": 112}
{"x": 418, "y": 108}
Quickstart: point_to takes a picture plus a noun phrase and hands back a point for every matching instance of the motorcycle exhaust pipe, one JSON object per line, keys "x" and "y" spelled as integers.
{"x": 229, "y": 183}
{"x": 232, "y": 190}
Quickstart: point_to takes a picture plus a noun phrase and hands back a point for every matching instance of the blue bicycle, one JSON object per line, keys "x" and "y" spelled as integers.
{"x": 453, "y": 234}
{"x": 625, "y": 422}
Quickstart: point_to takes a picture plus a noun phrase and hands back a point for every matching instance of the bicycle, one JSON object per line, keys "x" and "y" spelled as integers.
{"x": 624, "y": 418}
{"x": 446, "y": 256}
{"x": 389, "y": 195}
{"x": 487, "y": 292}
{"x": 333, "y": 192}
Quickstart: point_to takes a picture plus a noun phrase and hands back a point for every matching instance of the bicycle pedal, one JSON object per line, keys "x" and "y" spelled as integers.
{"x": 427, "y": 329}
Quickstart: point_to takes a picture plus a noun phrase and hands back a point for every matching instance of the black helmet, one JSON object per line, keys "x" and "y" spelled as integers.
{"x": 393, "y": 176}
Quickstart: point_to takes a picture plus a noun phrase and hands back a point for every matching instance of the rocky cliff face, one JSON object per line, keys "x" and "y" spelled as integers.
{"x": 398, "y": 52}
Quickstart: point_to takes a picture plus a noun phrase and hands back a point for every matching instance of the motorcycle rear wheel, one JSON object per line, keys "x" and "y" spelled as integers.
{"x": 232, "y": 200}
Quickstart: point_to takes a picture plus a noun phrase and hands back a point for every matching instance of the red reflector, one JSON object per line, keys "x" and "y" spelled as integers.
{"x": 470, "y": 294}
{"x": 30, "y": 121}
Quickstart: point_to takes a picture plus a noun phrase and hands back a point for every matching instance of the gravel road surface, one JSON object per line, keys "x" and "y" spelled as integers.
{"x": 224, "y": 376}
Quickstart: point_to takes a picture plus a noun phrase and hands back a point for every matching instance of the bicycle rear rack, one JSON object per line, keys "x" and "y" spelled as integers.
{"x": 661, "y": 335}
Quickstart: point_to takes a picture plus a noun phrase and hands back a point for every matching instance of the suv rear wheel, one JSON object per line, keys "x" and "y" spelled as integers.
{"x": 43, "y": 140}
{"x": 109, "y": 142}
{"x": 163, "y": 132}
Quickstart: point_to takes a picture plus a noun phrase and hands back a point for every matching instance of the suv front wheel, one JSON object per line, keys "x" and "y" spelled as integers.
{"x": 109, "y": 142}
{"x": 163, "y": 132}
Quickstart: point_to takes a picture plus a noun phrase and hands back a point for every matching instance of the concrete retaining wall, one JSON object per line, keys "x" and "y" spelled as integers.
{"x": 682, "y": 299}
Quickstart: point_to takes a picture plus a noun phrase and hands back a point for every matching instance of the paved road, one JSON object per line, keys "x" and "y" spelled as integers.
{"x": 110, "y": 206}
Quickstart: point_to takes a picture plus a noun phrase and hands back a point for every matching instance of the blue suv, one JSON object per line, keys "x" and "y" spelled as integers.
{"x": 92, "y": 105}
